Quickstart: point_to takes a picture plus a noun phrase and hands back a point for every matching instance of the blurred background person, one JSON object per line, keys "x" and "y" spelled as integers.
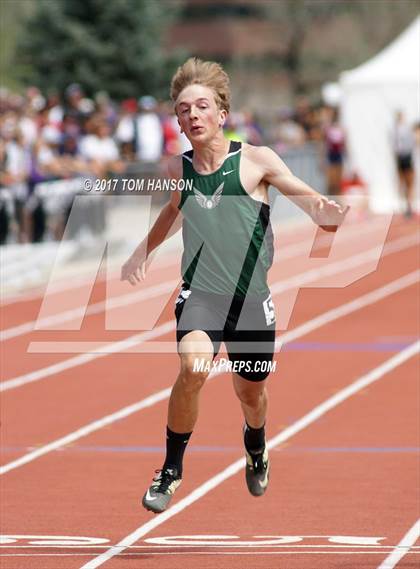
{"x": 403, "y": 150}
{"x": 252, "y": 129}
{"x": 334, "y": 139}
{"x": 45, "y": 165}
{"x": 100, "y": 150}
{"x": 174, "y": 141}
{"x": 7, "y": 209}
{"x": 287, "y": 132}
{"x": 233, "y": 128}
{"x": 15, "y": 171}
{"x": 125, "y": 129}
{"x": 243, "y": 127}
{"x": 149, "y": 132}
{"x": 76, "y": 104}
{"x": 106, "y": 109}
{"x": 28, "y": 124}
{"x": 416, "y": 164}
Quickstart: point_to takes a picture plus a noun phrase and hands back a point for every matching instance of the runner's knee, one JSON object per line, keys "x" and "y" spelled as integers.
{"x": 250, "y": 393}
{"x": 249, "y": 399}
{"x": 196, "y": 353}
{"x": 195, "y": 369}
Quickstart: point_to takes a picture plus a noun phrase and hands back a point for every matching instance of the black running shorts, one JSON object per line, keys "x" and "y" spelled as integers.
{"x": 246, "y": 326}
{"x": 404, "y": 162}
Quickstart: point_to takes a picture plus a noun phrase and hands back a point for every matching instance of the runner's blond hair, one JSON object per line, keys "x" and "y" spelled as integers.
{"x": 208, "y": 73}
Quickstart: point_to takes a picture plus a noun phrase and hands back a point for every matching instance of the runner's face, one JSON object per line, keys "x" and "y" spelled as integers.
{"x": 198, "y": 114}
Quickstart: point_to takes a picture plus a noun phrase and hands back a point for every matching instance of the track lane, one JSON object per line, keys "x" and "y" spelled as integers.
{"x": 95, "y": 391}
{"x": 297, "y": 492}
{"x": 281, "y": 277}
{"x": 63, "y": 468}
{"x": 131, "y": 431}
{"x": 25, "y": 308}
{"x": 289, "y": 231}
{"x": 340, "y": 477}
{"x": 287, "y": 251}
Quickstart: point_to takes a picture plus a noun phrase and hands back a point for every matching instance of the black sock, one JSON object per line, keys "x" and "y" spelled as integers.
{"x": 176, "y": 443}
{"x": 254, "y": 438}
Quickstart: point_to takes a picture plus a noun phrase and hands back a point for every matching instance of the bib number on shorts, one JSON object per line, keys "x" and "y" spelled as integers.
{"x": 183, "y": 295}
{"x": 269, "y": 311}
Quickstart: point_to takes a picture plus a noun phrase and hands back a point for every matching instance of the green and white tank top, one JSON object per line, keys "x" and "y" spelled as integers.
{"x": 228, "y": 240}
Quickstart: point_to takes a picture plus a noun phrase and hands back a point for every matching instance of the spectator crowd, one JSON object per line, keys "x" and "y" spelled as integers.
{"x": 48, "y": 137}
{"x": 44, "y": 138}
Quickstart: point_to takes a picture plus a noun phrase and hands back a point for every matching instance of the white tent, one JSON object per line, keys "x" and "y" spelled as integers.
{"x": 371, "y": 95}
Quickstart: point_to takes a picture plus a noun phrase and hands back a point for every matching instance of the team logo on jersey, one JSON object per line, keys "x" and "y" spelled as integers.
{"x": 209, "y": 202}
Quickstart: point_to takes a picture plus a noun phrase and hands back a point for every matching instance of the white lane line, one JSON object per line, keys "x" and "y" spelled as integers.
{"x": 234, "y": 468}
{"x": 402, "y": 548}
{"x": 96, "y": 308}
{"x": 349, "y": 307}
{"x": 309, "y": 326}
{"x": 345, "y": 264}
{"x": 131, "y": 298}
{"x": 279, "y": 286}
{"x": 69, "y": 283}
{"x": 113, "y": 347}
{"x": 321, "y": 320}
{"x": 335, "y": 313}
{"x": 88, "y": 429}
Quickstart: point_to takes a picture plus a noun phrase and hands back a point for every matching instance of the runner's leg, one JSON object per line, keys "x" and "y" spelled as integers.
{"x": 183, "y": 403}
{"x": 253, "y": 398}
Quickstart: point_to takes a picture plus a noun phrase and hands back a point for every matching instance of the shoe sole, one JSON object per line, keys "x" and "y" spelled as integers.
{"x": 151, "y": 509}
{"x": 261, "y": 491}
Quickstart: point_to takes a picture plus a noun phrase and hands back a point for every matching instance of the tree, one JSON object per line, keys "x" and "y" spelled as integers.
{"x": 12, "y": 17}
{"x": 112, "y": 46}
{"x": 375, "y": 23}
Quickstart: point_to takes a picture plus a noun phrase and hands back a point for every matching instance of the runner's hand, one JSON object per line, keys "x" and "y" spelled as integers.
{"x": 329, "y": 214}
{"x": 134, "y": 270}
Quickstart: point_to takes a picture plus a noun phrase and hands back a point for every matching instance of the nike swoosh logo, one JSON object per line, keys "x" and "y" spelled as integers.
{"x": 263, "y": 483}
{"x": 149, "y": 497}
{"x": 226, "y": 173}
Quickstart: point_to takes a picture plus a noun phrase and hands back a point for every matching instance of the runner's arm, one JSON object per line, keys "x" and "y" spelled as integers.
{"x": 324, "y": 212}
{"x": 167, "y": 224}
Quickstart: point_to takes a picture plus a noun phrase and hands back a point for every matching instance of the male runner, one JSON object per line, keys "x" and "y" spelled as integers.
{"x": 227, "y": 253}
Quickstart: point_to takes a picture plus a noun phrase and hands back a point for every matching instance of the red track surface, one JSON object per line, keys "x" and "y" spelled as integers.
{"x": 352, "y": 472}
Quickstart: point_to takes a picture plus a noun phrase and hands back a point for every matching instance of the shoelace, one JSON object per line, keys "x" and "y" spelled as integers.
{"x": 164, "y": 480}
